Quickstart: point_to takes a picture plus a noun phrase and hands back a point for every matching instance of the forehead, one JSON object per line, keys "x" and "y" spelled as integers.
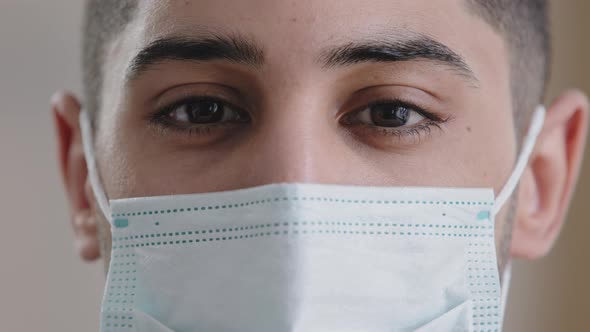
{"x": 308, "y": 25}
{"x": 331, "y": 15}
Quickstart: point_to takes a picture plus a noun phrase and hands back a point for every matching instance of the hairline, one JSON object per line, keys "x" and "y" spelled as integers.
{"x": 470, "y": 6}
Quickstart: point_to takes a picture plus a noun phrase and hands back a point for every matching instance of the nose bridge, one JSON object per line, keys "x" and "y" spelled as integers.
{"x": 295, "y": 141}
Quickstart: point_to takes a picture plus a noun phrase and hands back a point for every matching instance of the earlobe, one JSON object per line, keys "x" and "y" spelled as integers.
{"x": 548, "y": 183}
{"x": 66, "y": 110}
{"x": 86, "y": 232}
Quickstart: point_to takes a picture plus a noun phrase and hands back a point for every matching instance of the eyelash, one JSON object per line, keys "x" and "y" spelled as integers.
{"x": 158, "y": 119}
{"x": 434, "y": 121}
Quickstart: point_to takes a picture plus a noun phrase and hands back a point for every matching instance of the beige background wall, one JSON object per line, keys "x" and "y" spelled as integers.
{"x": 43, "y": 286}
{"x": 554, "y": 294}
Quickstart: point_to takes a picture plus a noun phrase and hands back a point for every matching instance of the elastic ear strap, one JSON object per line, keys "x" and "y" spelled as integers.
{"x": 88, "y": 143}
{"x": 527, "y": 149}
{"x": 507, "y": 276}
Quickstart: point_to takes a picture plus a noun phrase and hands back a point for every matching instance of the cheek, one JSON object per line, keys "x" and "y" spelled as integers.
{"x": 503, "y": 233}
{"x": 116, "y": 162}
{"x": 490, "y": 147}
{"x": 478, "y": 151}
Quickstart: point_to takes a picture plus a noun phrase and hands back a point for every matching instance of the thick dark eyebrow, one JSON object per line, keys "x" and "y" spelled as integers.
{"x": 419, "y": 47}
{"x": 215, "y": 47}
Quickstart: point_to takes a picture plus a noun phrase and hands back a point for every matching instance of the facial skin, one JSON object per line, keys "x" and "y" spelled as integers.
{"x": 307, "y": 121}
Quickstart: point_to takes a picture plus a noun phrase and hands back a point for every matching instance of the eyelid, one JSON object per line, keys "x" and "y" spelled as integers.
{"x": 408, "y": 94}
{"x": 406, "y": 104}
{"x": 215, "y": 91}
{"x": 163, "y": 111}
{"x": 346, "y": 117}
{"x": 196, "y": 88}
{"x": 161, "y": 119}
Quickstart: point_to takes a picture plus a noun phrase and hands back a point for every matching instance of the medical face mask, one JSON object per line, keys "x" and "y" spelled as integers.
{"x": 305, "y": 257}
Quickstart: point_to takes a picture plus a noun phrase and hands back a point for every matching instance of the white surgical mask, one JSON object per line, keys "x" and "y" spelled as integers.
{"x": 305, "y": 257}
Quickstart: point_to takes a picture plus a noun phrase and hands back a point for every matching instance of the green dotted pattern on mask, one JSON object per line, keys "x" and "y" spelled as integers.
{"x": 483, "y": 283}
{"x": 302, "y": 198}
{"x": 298, "y": 228}
{"x": 121, "y": 223}
{"x": 120, "y": 295}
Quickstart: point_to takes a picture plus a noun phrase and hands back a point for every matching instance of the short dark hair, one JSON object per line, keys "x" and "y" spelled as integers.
{"x": 103, "y": 21}
{"x": 524, "y": 24}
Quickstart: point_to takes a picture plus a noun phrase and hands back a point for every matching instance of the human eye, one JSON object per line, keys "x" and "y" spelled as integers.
{"x": 393, "y": 118}
{"x": 198, "y": 115}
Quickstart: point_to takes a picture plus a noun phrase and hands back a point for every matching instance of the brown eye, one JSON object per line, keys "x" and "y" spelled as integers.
{"x": 387, "y": 115}
{"x": 203, "y": 111}
{"x": 390, "y": 115}
{"x": 195, "y": 112}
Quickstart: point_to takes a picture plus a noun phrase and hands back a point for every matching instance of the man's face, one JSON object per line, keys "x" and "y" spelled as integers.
{"x": 330, "y": 92}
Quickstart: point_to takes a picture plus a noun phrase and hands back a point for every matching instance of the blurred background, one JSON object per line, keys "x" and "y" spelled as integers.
{"x": 45, "y": 287}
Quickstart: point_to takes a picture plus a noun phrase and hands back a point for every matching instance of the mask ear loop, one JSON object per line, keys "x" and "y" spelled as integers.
{"x": 507, "y": 276}
{"x": 95, "y": 183}
{"x": 530, "y": 140}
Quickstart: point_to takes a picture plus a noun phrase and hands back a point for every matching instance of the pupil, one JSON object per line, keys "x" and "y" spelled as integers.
{"x": 205, "y": 112}
{"x": 388, "y": 115}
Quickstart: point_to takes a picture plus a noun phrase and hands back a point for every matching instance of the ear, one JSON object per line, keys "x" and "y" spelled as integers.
{"x": 548, "y": 183}
{"x": 66, "y": 111}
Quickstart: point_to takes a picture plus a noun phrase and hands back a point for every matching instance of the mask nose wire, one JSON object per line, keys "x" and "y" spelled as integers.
{"x": 95, "y": 183}
{"x": 530, "y": 140}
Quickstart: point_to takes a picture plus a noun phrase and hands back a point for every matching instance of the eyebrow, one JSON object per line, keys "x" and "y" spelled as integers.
{"x": 236, "y": 49}
{"x": 241, "y": 50}
{"x": 419, "y": 47}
